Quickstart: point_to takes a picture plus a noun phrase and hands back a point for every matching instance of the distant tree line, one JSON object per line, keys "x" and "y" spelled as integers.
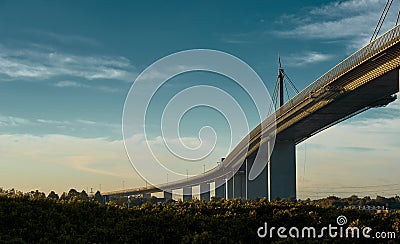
{"x": 391, "y": 202}
{"x": 330, "y": 201}
{"x": 71, "y": 195}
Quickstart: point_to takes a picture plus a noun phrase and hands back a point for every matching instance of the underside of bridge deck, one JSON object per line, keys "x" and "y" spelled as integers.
{"x": 373, "y": 94}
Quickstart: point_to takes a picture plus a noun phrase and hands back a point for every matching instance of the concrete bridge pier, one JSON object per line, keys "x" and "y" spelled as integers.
{"x": 258, "y": 187}
{"x": 230, "y": 193}
{"x": 277, "y": 180}
{"x": 167, "y": 195}
{"x": 239, "y": 183}
{"x": 282, "y": 170}
{"x": 220, "y": 188}
{"x": 187, "y": 193}
{"x": 205, "y": 191}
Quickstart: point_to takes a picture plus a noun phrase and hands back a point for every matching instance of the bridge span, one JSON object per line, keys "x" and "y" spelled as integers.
{"x": 368, "y": 78}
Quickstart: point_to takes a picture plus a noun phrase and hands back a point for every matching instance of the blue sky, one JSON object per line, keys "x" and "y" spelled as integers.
{"x": 66, "y": 68}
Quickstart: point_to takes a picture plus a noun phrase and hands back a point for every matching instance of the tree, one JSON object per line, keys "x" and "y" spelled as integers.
{"x": 36, "y": 194}
{"x": 84, "y": 196}
{"x": 98, "y": 197}
{"x": 72, "y": 193}
{"x": 53, "y": 195}
{"x": 64, "y": 196}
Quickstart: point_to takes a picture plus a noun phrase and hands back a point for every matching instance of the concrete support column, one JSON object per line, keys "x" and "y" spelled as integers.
{"x": 220, "y": 188}
{"x": 257, "y": 188}
{"x": 240, "y": 182}
{"x": 230, "y": 194}
{"x": 167, "y": 195}
{"x": 282, "y": 170}
{"x": 205, "y": 191}
{"x": 187, "y": 193}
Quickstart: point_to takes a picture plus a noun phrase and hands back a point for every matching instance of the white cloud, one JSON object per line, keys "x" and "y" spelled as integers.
{"x": 238, "y": 38}
{"x": 74, "y": 84}
{"x": 352, "y": 21}
{"x": 13, "y": 121}
{"x": 65, "y": 39}
{"x": 68, "y": 83}
{"x": 348, "y": 7}
{"x": 307, "y": 58}
{"x": 88, "y": 122}
{"x": 333, "y": 29}
{"x": 42, "y": 63}
{"x": 52, "y": 122}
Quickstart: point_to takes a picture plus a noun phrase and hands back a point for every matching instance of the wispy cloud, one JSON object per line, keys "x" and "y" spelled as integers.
{"x": 88, "y": 122}
{"x": 13, "y": 121}
{"x": 332, "y": 29}
{"x": 43, "y": 63}
{"x": 75, "y": 84}
{"x": 235, "y": 41}
{"x": 64, "y": 38}
{"x": 52, "y": 122}
{"x": 340, "y": 8}
{"x": 67, "y": 83}
{"x": 351, "y": 20}
{"x": 239, "y": 38}
{"x": 308, "y": 58}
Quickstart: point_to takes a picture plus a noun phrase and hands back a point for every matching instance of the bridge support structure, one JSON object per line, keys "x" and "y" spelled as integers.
{"x": 237, "y": 184}
{"x": 258, "y": 187}
{"x": 220, "y": 188}
{"x": 277, "y": 180}
{"x": 282, "y": 171}
{"x": 167, "y": 195}
{"x": 205, "y": 191}
{"x": 187, "y": 193}
{"x": 230, "y": 193}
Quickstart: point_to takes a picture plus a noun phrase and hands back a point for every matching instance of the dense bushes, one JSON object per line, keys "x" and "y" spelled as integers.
{"x": 27, "y": 219}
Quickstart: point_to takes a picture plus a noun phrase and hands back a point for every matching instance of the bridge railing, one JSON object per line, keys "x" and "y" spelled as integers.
{"x": 378, "y": 45}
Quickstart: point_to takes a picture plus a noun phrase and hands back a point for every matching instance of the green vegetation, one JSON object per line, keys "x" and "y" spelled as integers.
{"x": 32, "y": 218}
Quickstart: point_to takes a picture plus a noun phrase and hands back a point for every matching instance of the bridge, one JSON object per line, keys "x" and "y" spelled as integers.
{"x": 368, "y": 78}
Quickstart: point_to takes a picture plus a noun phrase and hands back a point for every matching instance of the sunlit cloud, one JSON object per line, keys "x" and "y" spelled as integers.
{"x": 40, "y": 63}
{"x": 67, "y": 83}
{"x": 307, "y": 58}
{"x": 7, "y": 121}
{"x": 75, "y": 84}
{"x": 351, "y": 21}
{"x": 42, "y": 126}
